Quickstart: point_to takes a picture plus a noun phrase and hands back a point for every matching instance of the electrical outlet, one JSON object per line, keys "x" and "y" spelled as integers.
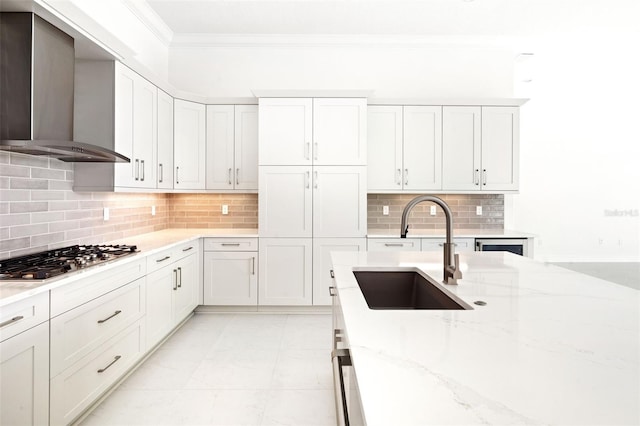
{"x": 153, "y": 210}
{"x": 479, "y": 210}
{"x": 432, "y": 210}
{"x": 105, "y": 213}
{"x": 225, "y": 209}
{"x": 385, "y": 210}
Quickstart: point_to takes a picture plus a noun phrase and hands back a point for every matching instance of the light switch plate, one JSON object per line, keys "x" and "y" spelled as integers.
{"x": 225, "y": 209}
{"x": 432, "y": 210}
{"x": 153, "y": 210}
{"x": 479, "y": 210}
{"x": 385, "y": 210}
{"x": 105, "y": 213}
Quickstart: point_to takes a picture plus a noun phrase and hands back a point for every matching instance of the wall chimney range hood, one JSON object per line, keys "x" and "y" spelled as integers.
{"x": 36, "y": 92}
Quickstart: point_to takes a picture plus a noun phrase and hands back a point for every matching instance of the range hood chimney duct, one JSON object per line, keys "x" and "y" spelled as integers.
{"x": 36, "y": 92}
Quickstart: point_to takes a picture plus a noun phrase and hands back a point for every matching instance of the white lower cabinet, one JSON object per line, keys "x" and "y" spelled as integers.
{"x": 172, "y": 294}
{"x": 231, "y": 271}
{"x": 75, "y": 389}
{"x": 285, "y": 271}
{"x": 24, "y": 377}
{"x": 322, "y": 248}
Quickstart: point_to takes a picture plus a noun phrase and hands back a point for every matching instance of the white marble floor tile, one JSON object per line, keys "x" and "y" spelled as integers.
{"x": 300, "y": 407}
{"x": 235, "y": 369}
{"x": 303, "y": 369}
{"x": 231, "y": 369}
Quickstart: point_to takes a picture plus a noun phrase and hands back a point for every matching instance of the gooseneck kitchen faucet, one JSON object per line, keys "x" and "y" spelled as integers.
{"x": 451, "y": 263}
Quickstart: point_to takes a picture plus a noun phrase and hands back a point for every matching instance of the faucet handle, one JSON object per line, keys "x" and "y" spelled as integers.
{"x": 457, "y": 273}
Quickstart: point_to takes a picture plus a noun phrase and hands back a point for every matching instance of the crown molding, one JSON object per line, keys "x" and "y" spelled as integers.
{"x": 200, "y": 40}
{"x": 148, "y": 16}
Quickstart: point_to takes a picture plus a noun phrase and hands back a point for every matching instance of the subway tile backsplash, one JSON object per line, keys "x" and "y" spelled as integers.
{"x": 463, "y": 207}
{"x": 39, "y": 210}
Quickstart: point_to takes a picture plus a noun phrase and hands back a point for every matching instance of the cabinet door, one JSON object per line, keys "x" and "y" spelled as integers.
{"x": 246, "y": 147}
{"x": 384, "y": 151}
{"x": 422, "y": 165}
{"x": 285, "y": 131}
{"x": 24, "y": 378}
{"x": 230, "y": 278}
{"x": 339, "y": 201}
{"x": 322, "y": 248}
{"x": 189, "y": 145}
{"x": 220, "y": 141}
{"x": 159, "y": 315}
{"x": 340, "y": 131}
{"x": 186, "y": 295}
{"x": 461, "y": 148}
{"x": 500, "y": 148}
{"x": 145, "y": 132}
{"x": 285, "y": 201}
{"x": 125, "y": 173}
{"x": 165, "y": 141}
{"x": 285, "y": 271}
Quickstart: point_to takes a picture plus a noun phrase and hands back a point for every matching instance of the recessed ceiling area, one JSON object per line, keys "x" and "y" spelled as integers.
{"x": 396, "y": 17}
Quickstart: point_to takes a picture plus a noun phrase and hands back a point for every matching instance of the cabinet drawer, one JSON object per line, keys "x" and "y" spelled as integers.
{"x": 75, "y": 389}
{"x": 20, "y": 316}
{"x": 75, "y": 294}
{"x": 79, "y": 331}
{"x": 168, "y": 256}
{"x": 394, "y": 244}
{"x": 435, "y": 244}
{"x": 231, "y": 244}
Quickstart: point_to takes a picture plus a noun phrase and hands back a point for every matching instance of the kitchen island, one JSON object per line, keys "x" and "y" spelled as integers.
{"x": 550, "y": 346}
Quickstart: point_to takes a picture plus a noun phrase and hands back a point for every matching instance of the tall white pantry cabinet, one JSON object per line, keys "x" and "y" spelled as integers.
{"x": 312, "y": 191}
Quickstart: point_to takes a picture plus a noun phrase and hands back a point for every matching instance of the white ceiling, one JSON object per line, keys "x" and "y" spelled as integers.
{"x": 520, "y": 18}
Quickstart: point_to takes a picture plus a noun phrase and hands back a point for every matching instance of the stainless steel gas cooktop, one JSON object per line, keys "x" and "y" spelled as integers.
{"x": 51, "y": 263}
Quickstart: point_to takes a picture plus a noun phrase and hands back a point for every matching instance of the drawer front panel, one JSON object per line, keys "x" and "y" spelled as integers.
{"x": 393, "y": 244}
{"x": 231, "y": 244}
{"x": 73, "y": 390}
{"x": 20, "y": 316}
{"x": 162, "y": 259}
{"x": 75, "y": 294}
{"x": 460, "y": 244}
{"x": 77, "y": 332}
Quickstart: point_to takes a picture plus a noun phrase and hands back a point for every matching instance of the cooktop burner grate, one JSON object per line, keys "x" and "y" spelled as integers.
{"x": 50, "y": 263}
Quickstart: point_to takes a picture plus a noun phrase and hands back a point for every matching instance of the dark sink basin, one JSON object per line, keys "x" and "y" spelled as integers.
{"x": 402, "y": 290}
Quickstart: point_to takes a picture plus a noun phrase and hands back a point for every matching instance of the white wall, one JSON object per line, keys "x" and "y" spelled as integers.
{"x": 400, "y": 71}
{"x": 581, "y": 149}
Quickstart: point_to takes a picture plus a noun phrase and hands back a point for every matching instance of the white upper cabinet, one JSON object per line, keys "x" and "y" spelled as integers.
{"x": 385, "y": 148}
{"x": 304, "y": 131}
{"x": 500, "y": 148}
{"x": 480, "y": 148}
{"x": 165, "y": 141}
{"x": 189, "y": 145}
{"x": 422, "y": 152}
{"x": 405, "y": 148}
{"x": 115, "y": 108}
{"x": 461, "y": 135}
{"x": 232, "y": 147}
{"x": 286, "y": 132}
{"x": 339, "y": 131}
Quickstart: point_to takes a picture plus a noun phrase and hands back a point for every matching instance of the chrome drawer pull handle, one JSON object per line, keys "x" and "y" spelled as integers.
{"x": 175, "y": 279}
{"x": 331, "y": 273}
{"x": 161, "y": 170}
{"x": 187, "y": 249}
{"x": 102, "y": 370}
{"x": 163, "y": 259}
{"x": 332, "y": 291}
{"x": 180, "y": 275}
{"x": 237, "y": 176}
{"x": 231, "y": 244}
{"x": 393, "y": 244}
{"x": 229, "y": 177}
{"x": 108, "y": 318}
{"x": 12, "y": 320}
{"x": 142, "y": 174}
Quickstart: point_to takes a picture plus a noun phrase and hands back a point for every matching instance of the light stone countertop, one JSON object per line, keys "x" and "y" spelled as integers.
{"x": 148, "y": 244}
{"x": 440, "y": 233}
{"x": 551, "y": 346}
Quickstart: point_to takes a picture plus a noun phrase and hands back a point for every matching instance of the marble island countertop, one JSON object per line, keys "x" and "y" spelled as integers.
{"x": 551, "y": 346}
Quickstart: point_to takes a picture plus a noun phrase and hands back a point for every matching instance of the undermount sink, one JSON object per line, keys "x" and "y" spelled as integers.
{"x": 403, "y": 290}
